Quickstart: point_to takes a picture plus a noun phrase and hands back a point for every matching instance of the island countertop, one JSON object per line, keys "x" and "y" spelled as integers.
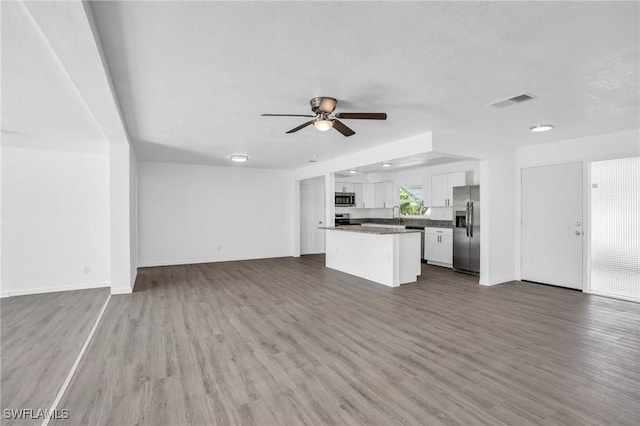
{"x": 370, "y": 229}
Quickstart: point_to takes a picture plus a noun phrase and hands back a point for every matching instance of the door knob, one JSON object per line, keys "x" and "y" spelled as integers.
{"x": 578, "y": 233}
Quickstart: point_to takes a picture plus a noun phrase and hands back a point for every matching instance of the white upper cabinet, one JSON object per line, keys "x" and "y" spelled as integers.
{"x": 368, "y": 200}
{"x": 439, "y": 190}
{"x": 357, "y": 189}
{"x": 453, "y": 180}
{"x": 384, "y": 195}
{"x": 442, "y": 188}
{"x": 344, "y": 187}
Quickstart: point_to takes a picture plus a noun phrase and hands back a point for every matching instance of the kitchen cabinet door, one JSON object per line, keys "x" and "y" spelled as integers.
{"x": 438, "y": 246}
{"x": 357, "y": 189}
{"x": 442, "y": 188}
{"x": 446, "y": 250}
{"x": 431, "y": 242}
{"x": 344, "y": 187}
{"x": 454, "y": 179}
{"x": 368, "y": 196}
{"x": 439, "y": 191}
{"x": 384, "y": 195}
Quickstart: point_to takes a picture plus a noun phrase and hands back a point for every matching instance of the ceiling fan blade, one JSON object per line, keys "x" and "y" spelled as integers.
{"x": 286, "y": 115}
{"x": 302, "y": 126}
{"x": 362, "y": 115}
{"x": 340, "y": 126}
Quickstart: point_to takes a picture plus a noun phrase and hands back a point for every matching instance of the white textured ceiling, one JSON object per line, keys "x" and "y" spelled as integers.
{"x": 192, "y": 78}
{"x": 41, "y": 107}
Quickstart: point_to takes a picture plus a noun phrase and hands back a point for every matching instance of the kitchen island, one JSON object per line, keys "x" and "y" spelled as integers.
{"x": 387, "y": 256}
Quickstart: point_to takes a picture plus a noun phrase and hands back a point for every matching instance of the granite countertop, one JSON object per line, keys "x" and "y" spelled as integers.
{"x": 422, "y": 223}
{"x": 369, "y": 229}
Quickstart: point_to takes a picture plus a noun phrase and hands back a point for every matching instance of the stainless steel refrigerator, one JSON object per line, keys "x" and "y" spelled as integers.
{"x": 466, "y": 229}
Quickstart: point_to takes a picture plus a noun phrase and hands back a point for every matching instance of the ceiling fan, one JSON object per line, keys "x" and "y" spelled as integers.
{"x": 323, "y": 107}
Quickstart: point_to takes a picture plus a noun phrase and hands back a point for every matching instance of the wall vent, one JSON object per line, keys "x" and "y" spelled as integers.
{"x": 512, "y": 101}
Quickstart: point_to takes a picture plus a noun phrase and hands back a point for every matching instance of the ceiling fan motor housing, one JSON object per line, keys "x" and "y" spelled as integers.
{"x": 323, "y": 104}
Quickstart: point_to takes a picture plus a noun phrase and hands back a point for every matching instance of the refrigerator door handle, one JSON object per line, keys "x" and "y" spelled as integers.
{"x": 466, "y": 219}
{"x": 471, "y": 219}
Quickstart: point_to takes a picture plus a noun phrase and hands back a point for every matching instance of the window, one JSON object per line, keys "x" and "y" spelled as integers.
{"x": 615, "y": 230}
{"x": 412, "y": 201}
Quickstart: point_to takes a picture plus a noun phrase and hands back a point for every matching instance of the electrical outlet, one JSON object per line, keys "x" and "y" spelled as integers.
{"x": 219, "y": 248}
{"x": 86, "y": 270}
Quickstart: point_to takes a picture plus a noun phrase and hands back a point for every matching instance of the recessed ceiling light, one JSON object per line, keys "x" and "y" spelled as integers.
{"x": 387, "y": 164}
{"x": 352, "y": 171}
{"x": 239, "y": 158}
{"x": 541, "y": 127}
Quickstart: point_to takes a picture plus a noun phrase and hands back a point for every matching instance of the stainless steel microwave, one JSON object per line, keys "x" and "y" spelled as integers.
{"x": 345, "y": 199}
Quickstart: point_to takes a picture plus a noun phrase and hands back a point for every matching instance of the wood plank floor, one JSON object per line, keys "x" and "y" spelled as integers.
{"x": 289, "y": 342}
{"x": 41, "y": 337}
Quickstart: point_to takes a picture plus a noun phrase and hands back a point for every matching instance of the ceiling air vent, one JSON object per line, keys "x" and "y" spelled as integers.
{"x": 512, "y": 101}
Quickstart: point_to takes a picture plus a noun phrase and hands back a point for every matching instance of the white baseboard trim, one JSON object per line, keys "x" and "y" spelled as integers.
{"x": 443, "y": 265}
{"x": 154, "y": 263}
{"x": 497, "y": 281}
{"x": 121, "y": 290}
{"x": 612, "y": 296}
{"x": 41, "y": 290}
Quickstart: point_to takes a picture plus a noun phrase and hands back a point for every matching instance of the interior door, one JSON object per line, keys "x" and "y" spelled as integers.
{"x": 312, "y": 206}
{"x": 552, "y": 225}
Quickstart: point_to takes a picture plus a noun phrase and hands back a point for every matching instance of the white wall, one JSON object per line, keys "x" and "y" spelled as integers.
{"x": 55, "y": 220}
{"x": 133, "y": 217}
{"x": 120, "y": 218}
{"x": 193, "y": 213}
{"x": 581, "y": 150}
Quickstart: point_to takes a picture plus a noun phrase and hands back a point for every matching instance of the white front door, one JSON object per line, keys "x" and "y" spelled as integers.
{"x": 311, "y": 217}
{"x": 552, "y": 225}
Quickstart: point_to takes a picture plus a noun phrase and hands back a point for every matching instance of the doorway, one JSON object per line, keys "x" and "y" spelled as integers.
{"x": 552, "y": 225}
{"x": 312, "y": 210}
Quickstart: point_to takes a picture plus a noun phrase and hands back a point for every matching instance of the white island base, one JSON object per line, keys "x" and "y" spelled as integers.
{"x": 389, "y": 258}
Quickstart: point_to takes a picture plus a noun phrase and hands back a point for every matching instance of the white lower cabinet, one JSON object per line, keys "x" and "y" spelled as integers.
{"x": 438, "y": 246}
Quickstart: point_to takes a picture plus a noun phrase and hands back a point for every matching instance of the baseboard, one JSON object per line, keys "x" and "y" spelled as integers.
{"x": 627, "y": 299}
{"x": 121, "y": 290}
{"x": 497, "y": 281}
{"x": 56, "y": 289}
{"x": 154, "y": 263}
{"x": 443, "y": 265}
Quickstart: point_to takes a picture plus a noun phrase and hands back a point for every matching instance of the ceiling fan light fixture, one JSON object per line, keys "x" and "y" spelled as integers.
{"x": 541, "y": 127}
{"x": 327, "y": 105}
{"x": 323, "y": 124}
{"x": 239, "y": 158}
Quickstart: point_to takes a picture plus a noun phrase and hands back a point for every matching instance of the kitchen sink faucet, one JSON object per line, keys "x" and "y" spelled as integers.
{"x": 393, "y": 213}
